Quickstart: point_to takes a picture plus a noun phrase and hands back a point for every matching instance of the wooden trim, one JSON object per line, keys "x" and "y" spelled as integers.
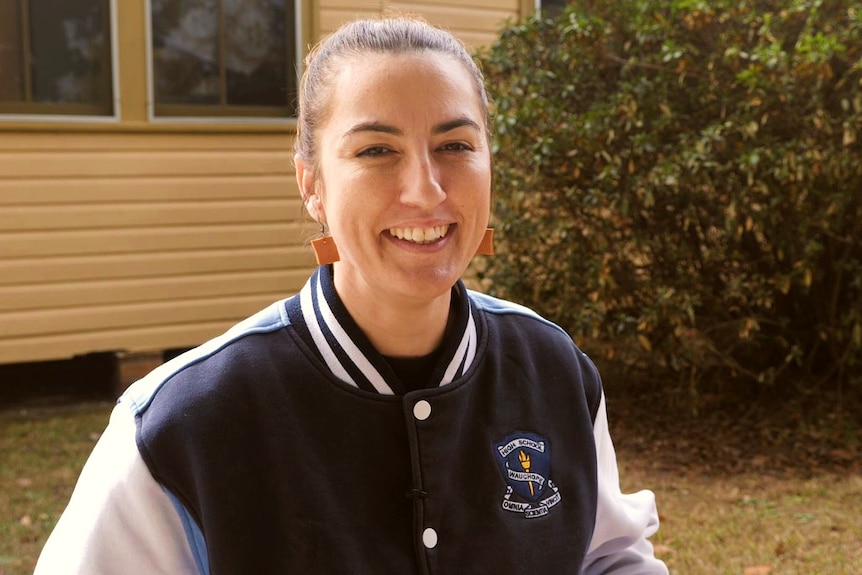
{"x": 293, "y": 21}
{"x": 191, "y": 125}
{"x": 221, "y": 110}
{"x": 166, "y": 163}
{"x": 222, "y": 59}
{"x": 29, "y": 142}
{"x": 29, "y": 107}
{"x": 311, "y": 23}
{"x": 107, "y": 52}
{"x": 25, "y": 51}
{"x": 131, "y": 60}
{"x": 528, "y": 7}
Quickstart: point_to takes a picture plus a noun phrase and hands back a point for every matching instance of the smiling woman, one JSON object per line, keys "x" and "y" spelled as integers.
{"x": 389, "y": 178}
{"x": 373, "y": 420}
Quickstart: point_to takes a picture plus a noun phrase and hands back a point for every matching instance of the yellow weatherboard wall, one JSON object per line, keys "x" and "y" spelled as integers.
{"x": 133, "y": 235}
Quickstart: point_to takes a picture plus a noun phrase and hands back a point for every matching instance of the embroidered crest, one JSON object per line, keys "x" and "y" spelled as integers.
{"x": 525, "y": 461}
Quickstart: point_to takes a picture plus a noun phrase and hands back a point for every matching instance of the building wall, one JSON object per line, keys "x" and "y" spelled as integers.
{"x": 475, "y": 22}
{"x": 136, "y": 236}
{"x": 142, "y": 241}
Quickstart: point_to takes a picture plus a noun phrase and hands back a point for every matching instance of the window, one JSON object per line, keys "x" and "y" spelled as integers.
{"x": 55, "y": 57}
{"x": 224, "y": 57}
{"x": 552, "y": 8}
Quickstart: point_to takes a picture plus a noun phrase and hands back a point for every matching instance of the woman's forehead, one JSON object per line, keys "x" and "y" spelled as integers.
{"x": 389, "y": 82}
{"x": 389, "y": 67}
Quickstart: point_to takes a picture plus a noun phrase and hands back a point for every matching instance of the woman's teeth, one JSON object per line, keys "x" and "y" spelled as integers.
{"x": 420, "y": 235}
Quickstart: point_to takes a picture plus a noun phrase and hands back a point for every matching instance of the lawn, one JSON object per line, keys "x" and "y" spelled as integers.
{"x": 755, "y": 524}
{"x": 763, "y": 521}
{"x": 42, "y": 451}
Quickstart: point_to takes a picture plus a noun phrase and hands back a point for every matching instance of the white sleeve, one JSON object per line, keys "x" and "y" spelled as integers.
{"x": 623, "y": 521}
{"x": 119, "y": 519}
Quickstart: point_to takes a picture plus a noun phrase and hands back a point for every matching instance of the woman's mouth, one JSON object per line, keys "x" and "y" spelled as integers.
{"x": 420, "y": 235}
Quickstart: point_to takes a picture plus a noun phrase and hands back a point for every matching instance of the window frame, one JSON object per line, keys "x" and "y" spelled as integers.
{"x": 109, "y": 111}
{"x": 222, "y": 113}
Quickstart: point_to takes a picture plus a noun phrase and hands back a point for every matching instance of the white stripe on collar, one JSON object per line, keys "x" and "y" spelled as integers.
{"x": 320, "y": 313}
{"x": 463, "y": 350}
{"x": 317, "y": 334}
{"x": 353, "y": 352}
{"x": 474, "y": 339}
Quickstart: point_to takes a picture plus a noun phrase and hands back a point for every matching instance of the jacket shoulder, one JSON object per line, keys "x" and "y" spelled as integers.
{"x": 540, "y": 332}
{"x": 141, "y": 393}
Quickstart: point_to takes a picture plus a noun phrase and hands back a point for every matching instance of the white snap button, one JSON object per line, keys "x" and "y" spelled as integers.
{"x": 422, "y": 410}
{"x": 429, "y": 538}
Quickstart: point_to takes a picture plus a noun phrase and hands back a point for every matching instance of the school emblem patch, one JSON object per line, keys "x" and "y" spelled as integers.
{"x": 525, "y": 462}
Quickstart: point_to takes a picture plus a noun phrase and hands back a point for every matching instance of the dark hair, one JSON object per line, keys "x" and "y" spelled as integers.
{"x": 395, "y": 35}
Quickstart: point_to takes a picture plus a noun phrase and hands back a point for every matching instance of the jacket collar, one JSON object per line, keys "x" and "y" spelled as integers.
{"x": 324, "y": 323}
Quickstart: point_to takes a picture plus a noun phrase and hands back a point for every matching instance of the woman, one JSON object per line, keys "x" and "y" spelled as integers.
{"x": 385, "y": 419}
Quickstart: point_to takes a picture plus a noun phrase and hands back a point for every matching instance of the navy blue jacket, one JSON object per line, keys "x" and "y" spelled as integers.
{"x": 291, "y": 446}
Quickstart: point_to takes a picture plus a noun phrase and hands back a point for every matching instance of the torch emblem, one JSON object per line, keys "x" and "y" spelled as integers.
{"x": 525, "y": 461}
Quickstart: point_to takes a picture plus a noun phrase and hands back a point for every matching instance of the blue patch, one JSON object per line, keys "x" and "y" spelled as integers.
{"x": 525, "y": 462}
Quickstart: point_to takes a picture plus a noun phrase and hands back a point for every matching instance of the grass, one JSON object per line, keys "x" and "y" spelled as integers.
{"x": 744, "y": 524}
{"x": 41, "y": 454}
{"x": 754, "y": 524}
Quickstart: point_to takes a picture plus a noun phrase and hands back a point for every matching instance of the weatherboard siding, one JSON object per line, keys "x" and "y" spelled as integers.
{"x": 139, "y": 242}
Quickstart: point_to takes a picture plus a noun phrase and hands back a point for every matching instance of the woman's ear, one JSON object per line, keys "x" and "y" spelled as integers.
{"x": 307, "y": 181}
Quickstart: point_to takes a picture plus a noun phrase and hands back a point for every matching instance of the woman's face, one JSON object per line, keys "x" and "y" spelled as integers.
{"x": 404, "y": 175}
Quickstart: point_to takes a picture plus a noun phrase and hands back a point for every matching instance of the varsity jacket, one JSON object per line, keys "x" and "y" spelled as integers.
{"x": 288, "y": 445}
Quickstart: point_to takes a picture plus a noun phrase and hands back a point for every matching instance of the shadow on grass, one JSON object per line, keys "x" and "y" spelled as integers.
{"x": 779, "y": 434}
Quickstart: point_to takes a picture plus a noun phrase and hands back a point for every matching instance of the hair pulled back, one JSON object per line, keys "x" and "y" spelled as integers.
{"x": 390, "y": 35}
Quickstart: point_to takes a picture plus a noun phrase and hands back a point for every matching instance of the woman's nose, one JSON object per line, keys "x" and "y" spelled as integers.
{"x": 421, "y": 185}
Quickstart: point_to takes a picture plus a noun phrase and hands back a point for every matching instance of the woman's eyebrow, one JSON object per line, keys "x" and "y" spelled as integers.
{"x": 441, "y": 128}
{"x": 374, "y": 127}
{"x": 454, "y": 124}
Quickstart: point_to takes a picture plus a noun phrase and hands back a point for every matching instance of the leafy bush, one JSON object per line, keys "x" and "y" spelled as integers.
{"x": 680, "y": 181}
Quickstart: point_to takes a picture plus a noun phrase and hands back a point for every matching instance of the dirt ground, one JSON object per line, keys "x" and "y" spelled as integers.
{"x": 799, "y": 436}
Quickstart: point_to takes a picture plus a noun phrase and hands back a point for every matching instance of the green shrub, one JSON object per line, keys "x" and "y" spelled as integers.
{"x": 680, "y": 183}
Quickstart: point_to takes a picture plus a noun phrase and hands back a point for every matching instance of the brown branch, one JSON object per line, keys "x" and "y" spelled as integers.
{"x": 620, "y": 60}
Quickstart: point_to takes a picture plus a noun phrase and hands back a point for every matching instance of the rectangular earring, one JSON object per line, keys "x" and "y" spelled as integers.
{"x": 325, "y": 250}
{"x": 486, "y": 246}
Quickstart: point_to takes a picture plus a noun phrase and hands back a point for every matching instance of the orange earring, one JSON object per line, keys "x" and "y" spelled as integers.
{"x": 325, "y": 250}
{"x": 486, "y": 247}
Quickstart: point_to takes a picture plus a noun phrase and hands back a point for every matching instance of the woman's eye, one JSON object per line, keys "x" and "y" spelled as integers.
{"x": 456, "y": 147}
{"x": 374, "y": 151}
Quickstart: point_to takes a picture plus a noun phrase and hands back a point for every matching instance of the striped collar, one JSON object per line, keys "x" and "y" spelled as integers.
{"x": 324, "y": 324}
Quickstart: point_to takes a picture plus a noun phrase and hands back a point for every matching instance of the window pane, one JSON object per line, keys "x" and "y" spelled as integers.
{"x": 185, "y": 51}
{"x": 70, "y": 60}
{"x": 236, "y": 55}
{"x": 256, "y": 52}
{"x": 11, "y": 66}
{"x": 553, "y": 8}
